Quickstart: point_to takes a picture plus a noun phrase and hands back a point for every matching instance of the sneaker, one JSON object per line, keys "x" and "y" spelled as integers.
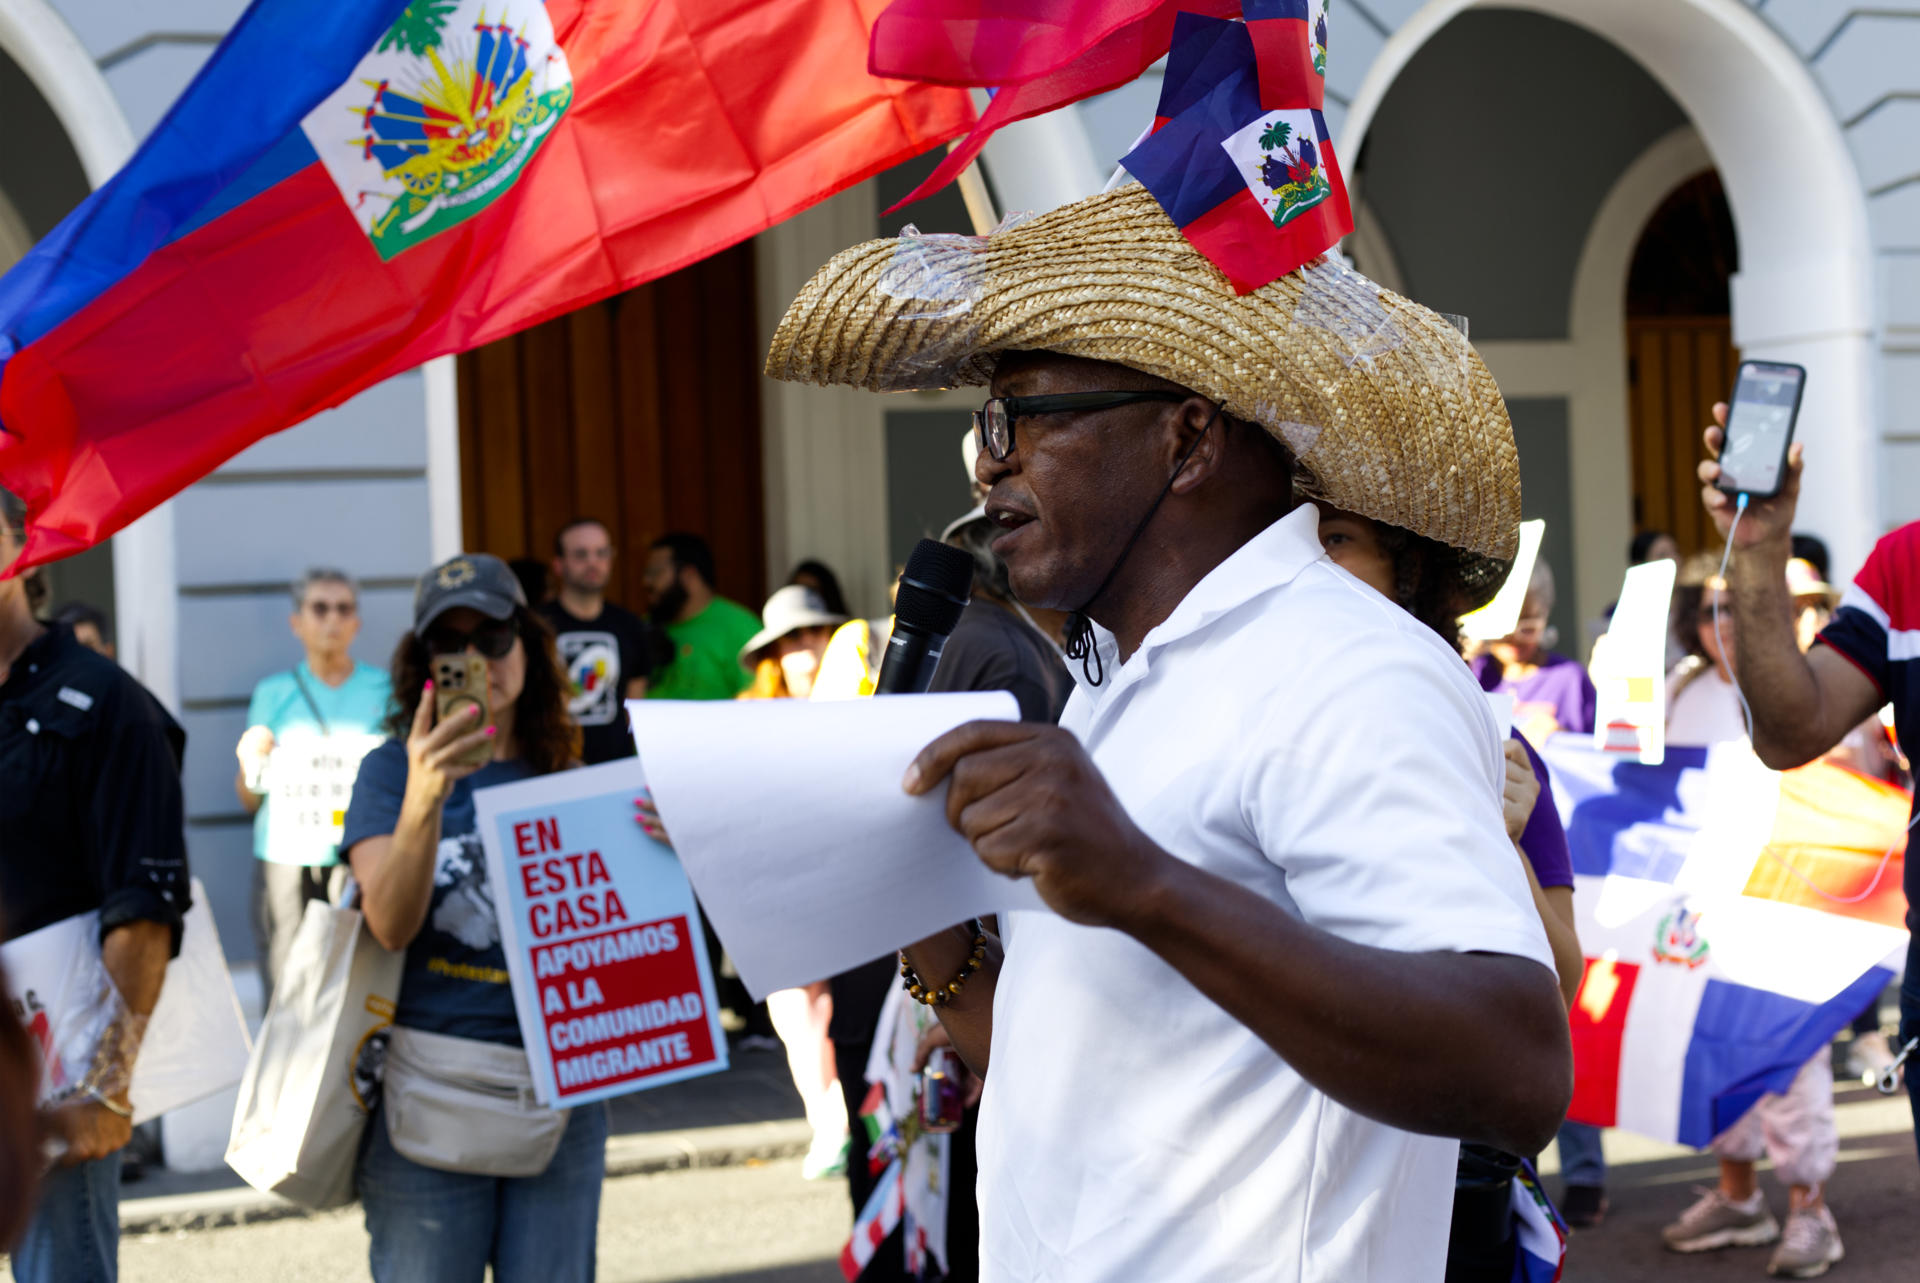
{"x": 1810, "y": 1245}
{"x": 1583, "y": 1206}
{"x": 1868, "y": 1056}
{"x": 826, "y": 1157}
{"x": 1717, "y": 1221}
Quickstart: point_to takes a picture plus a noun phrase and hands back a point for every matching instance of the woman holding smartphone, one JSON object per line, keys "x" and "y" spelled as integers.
{"x": 458, "y": 1170}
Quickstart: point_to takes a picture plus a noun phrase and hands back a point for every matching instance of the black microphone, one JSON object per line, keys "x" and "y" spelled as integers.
{"x": 933, "y": 591}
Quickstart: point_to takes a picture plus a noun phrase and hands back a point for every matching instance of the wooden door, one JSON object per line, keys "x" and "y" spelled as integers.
{"x": 1678, "y": 366}
{"x": 642, "y": 410}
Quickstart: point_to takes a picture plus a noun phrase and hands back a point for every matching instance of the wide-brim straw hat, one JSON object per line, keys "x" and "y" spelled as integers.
{"x": 1385, "y": 404}
{"x": 789, "y": 610}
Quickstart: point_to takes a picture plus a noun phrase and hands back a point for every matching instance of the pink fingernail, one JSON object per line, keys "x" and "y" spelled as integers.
{"x": 492, "y": 729}
{"x": 429, "y": 685}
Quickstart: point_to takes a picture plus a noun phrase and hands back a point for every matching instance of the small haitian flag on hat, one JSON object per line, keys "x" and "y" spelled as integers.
{"x": 1240, "y": 157}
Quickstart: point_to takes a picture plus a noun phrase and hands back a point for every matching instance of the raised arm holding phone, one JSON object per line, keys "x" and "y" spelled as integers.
{"x": 1802, "y": 705}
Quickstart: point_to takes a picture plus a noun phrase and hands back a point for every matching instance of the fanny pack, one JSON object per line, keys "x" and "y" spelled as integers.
{"x": 462, "y": 1105}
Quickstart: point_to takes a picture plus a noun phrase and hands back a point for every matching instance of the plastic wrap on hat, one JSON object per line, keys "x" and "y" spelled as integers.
{"x": 1299, "y": 437}
{"x": 1339, "y": 300}
{"x": 938, "y": 279}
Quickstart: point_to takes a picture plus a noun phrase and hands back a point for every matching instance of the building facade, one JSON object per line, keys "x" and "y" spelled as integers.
{"x": 1521, "y": 163}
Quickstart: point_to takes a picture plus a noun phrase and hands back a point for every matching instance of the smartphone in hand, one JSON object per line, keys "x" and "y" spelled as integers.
{"x": 1760, "y": 420}
{"x": 459, "y": 683}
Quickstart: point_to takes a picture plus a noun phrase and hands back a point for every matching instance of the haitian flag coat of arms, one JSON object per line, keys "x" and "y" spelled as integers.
{"x": 450, "y": 107}
{"x": 1240, "y": 156}
{"x": 351, "y": 187}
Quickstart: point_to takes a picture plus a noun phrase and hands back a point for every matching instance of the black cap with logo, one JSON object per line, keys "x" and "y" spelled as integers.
{"x": 472, "y": 579}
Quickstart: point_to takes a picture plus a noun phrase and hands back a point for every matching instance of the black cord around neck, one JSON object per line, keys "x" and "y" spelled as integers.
{"x": 1080, "y": 644}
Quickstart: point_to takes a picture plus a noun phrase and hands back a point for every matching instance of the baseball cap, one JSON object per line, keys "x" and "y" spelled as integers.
{"x": 472, "y": 579}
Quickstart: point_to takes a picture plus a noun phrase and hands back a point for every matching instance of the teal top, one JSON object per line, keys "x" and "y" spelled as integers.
{"x": 356, "y": 707}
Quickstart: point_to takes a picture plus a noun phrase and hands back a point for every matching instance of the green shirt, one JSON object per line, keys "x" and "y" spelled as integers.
{"x": 706, "y": 654}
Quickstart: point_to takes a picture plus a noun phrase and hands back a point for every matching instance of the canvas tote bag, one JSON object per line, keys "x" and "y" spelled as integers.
{"x": 314, "y": 1074}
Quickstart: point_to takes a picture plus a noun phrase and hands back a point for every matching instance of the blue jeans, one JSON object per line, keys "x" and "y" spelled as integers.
{"x": 1581, "y": 1159}
{"x": 430, "y": 1226}
{"x": 74, "y": 1236}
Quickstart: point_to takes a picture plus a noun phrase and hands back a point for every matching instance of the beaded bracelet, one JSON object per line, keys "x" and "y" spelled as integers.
{"x": 941, "y": 995}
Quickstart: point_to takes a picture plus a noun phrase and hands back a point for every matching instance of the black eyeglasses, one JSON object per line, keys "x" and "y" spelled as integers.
{"x": 493, "y": 638}
{"x": 993, "y": 422}
{"x": 344, "y": 609}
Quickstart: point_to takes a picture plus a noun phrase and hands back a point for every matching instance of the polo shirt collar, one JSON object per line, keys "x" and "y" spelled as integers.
{"x": 1267, "y": 561}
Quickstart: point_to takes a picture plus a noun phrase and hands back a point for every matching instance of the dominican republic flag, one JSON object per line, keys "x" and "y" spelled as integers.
{"x": 351, "y": 187}
{"x": 1031, "y": 56}
{"x": 877, "y": 1219}
{"x": 1539, "y": 1234}
{"x": 1240, "y": 156}
{"x": 1733, "y": 919}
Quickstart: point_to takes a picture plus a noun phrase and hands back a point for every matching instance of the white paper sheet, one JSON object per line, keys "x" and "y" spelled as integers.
{"x": 1499, "y": 617}
{"x": 790, "y": 821}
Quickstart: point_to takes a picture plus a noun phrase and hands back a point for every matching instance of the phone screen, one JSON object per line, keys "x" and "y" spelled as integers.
{"x": 1759, "y": 426}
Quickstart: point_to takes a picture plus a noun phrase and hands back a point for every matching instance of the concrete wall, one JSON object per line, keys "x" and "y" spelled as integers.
{"x": 1489, "y": 158}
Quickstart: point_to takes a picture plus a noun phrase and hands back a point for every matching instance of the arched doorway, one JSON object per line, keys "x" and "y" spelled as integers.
{"x": 1680, "y": 353}
{"x": 1802, "y": 293}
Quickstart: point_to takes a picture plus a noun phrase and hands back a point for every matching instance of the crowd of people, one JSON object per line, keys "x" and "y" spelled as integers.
{"x": 1249, "y": 1039}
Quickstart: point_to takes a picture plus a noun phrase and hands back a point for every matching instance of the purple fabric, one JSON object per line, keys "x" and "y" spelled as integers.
{"x": 1544, "y": 841}
{"x": 1559, "y": 686}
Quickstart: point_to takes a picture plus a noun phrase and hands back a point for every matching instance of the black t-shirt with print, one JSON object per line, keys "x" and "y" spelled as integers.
{"x": 599, "y": 657}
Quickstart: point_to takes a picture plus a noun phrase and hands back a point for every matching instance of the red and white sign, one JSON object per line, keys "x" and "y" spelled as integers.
{"x": 603, "y": 940}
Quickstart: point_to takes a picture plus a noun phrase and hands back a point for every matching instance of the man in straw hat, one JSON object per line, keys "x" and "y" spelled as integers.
{"x": 1289, "y": 925}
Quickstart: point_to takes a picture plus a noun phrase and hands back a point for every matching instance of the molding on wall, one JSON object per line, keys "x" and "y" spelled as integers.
{"x": 59, "y": 66}
{"x": 1752, "y": 99}
{"x": 824, "y": 452}
{"x": 445, "y": 527}
{"x": 1599, "y": 442}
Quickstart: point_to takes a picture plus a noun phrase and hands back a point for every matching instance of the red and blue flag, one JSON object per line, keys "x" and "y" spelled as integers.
{"x": 1734, "y": 920}
{"x": 348, "y": 190}
{"x": 1032, "y": 56}
{"x": 1240, "y": 156}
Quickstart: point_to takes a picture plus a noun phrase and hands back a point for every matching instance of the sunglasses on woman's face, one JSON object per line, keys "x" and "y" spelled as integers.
{"x": 492, "y": 638}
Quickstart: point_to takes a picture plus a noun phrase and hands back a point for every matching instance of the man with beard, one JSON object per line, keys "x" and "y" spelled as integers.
{"x": 706, "y": 629}
{"x": 1291, "y": 959}
{"x": 605, "y": 651}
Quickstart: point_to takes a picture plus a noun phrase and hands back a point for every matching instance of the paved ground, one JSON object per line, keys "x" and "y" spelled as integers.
{"x": 1874, "y": 1195}
{"x": 705, "y": 1186}
{"x": 756, "y": 1223}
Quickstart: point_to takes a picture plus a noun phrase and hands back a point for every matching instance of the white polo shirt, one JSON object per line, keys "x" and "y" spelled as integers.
{"x": 1289, "y": 729}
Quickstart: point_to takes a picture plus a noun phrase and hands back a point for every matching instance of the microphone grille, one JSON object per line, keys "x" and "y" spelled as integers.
{"x": 935, "y": 587}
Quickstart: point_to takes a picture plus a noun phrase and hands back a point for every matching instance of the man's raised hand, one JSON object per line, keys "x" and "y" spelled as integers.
{"x": 1034, "y": 805}
{"x": 1765, "y": 519}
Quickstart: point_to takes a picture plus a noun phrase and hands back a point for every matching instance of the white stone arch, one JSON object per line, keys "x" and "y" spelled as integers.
{"x": 1804, "y": 292}
{"x": 1597, "y": 423}
{"x": 45, "y": 48}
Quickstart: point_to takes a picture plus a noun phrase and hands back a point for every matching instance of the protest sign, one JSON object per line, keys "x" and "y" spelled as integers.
{"x": 603, "y": 940}
{"x": 1630, "y": 666}
{"x": 196, "y": 1040}
{"x": 309, "y": 778}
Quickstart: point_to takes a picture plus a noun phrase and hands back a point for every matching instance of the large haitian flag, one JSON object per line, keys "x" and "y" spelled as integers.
{"x": 1733, "y": 919}
{"x": 349, "y": 189}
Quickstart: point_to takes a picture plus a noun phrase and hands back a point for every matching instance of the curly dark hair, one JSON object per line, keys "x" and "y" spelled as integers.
{"x": 1425, "y": 583}
{"x": 547, "y": 736}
